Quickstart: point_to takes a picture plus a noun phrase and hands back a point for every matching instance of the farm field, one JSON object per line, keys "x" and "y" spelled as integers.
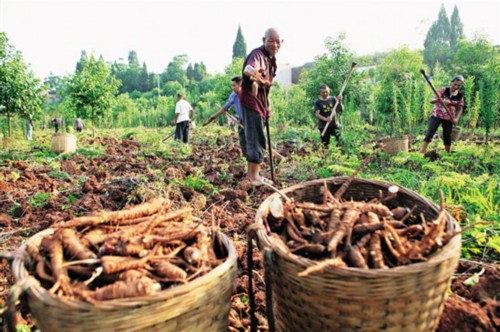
{"x": 123, "y": 167}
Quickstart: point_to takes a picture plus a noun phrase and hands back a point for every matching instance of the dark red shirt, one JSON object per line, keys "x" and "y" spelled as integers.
{"x": 259, "y": 59}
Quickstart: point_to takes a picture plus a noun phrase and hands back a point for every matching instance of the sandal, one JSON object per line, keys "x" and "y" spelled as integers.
{"x": 261, "y": 182}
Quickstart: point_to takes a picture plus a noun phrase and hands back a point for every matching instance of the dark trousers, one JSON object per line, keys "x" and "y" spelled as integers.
{"x": 433, "y": 127}
{"x": 79, "y": 129}
{"x": 56, "y": 127}
{"x": 182, "y": 131}
{"x": 332, "y": 130}
{"x": 243, "y": 141}
{"x": 254, "y": 135}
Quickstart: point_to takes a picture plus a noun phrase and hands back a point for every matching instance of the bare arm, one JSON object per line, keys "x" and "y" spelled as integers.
{"x": 459, "y": 115}
{"x": 340, "y": 106}
{"x": 321, "y": 117}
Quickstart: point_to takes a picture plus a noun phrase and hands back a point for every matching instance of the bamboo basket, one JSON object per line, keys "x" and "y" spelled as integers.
{"x": 201, "y": 305}
{"x": 455, "y": 133}
{"x": 395, "y": 145}
{"x": 405, "y": 298}
{"x": 63, "y": 143}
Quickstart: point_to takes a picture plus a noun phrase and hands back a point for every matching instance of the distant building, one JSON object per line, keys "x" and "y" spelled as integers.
{"x": 284, "y": 75}
{"x": 288, "y": 75}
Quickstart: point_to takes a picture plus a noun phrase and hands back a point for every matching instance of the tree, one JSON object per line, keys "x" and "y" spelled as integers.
{"x": 82, "y": 61}
{"x": 92, "y": 90}
{"x": 472, "y": 57}
{"x": 20, "y": 91}
{"x": 133, "y": 60}
{"x": 144, "y": 79}
{"x": 437, "y": 41}
{"x": 190, "y": 72}
{"x": 239, "y": 46}
{"x": 175, "y": 70}
{"x": 199, "y": 71}
{"x": 398, "y": 80}
{"x": 331, "y": 69}
{"x": 53, "y": 82}
{"x": 456, "y": 29}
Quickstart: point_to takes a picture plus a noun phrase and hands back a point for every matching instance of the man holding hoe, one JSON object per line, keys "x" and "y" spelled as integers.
{"x": 234, "y": 101}
{"x": 259, "y": 70}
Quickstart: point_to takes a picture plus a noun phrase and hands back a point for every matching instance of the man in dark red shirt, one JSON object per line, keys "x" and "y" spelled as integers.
{"x": 259, "y": 70}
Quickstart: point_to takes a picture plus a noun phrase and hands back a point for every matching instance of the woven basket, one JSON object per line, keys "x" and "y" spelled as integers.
{"x": 201, "y": 305}
{"x": 405, "y": 298}
{"x": 63, "y": 143}
{"x": 455, "y": 133}
{"x": 395, "y": 145}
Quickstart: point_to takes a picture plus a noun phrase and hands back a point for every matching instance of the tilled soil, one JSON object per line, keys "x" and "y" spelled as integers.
{"x": 34, "y": 196}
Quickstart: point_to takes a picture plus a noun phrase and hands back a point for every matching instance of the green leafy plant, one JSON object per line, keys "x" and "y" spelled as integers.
{"x": 198, "y": 183}
{"x": 39, "y": 199}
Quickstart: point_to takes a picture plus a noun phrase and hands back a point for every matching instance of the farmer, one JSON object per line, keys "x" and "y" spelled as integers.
{"x": 79, "y": 124}
{"x": 323, "y": 108}
{"x": 29, "y": 128}
{"x": 234, "y": 101}
{"x": 259, "y": 70}
{"x": 183, "y": 116}
{"x": 454, "y": 101}
{"x": 57, "y": 123}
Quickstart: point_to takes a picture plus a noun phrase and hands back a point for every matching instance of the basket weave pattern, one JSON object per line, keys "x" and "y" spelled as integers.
{"x": 408, "y": 298}
{"x": 201, "y": 305}
{"x": 455, "y": 134}
{"x": 63, "y": 143}
{"x": 395, "y": 145}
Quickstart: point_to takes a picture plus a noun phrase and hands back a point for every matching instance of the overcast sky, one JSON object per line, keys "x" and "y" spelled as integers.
{"x": 52, "y": 34}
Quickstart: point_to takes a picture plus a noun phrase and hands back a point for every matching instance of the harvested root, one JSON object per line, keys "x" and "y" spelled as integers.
{"x": 124, "y": 289}
{"x": 125, "y": 254}
{"x": 360, "y": 234}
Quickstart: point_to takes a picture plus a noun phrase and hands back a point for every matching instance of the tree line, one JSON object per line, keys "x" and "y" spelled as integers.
{"x": 386, "y": 93}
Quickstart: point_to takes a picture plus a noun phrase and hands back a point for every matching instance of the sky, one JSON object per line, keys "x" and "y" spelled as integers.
{"x": 52, "y": 33}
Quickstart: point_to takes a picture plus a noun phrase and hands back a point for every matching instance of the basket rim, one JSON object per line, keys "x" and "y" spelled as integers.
{"x": 399, "y": 138}
{"x": 36, "y": 290}
{"x": 265, "y": 240}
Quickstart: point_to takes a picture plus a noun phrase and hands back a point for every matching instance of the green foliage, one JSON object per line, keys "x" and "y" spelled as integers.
{"x": 331, "y": 68}
{"x": 489, "y": 94}
{"x": 91, "y": 91}
{"x": 133, "y": 77}
{"x": 399, "y": 91}
{"x": 239, "y": 46}
{"x": 456, "y": 28}
{"x": 472, "y": 58}
{"x": 72, "y": 198}
{"x": 198, "y": 184}
{"x": 175, "y": 71}
{"x": 437, "y": 42}
{"x": 39, "y": 199}
{"x": 20, "y": 91}
{"x": 289, "y": 107}
{"x": 59, "y": 175}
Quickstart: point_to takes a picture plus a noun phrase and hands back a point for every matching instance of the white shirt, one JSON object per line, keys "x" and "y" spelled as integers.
{"x": 182, "y": 108}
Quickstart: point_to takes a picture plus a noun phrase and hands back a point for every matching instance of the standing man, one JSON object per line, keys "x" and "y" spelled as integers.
{"x": 79, "y": 124}
{"x": 184, "y": 114}
{"x": 57, "y": 122}
{"x": 323, "y": 108}
{"x": 29, "y": 128}
{"x": 234, "y": 101}
{"x": 259, "y": 70}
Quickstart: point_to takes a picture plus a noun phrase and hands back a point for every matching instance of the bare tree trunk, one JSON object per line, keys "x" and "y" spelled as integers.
{"x": 9, "y": 127}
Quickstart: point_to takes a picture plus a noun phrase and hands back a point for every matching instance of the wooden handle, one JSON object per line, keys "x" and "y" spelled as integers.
{"x": 334, "y": 111}
{"x": 438, "y": 96}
